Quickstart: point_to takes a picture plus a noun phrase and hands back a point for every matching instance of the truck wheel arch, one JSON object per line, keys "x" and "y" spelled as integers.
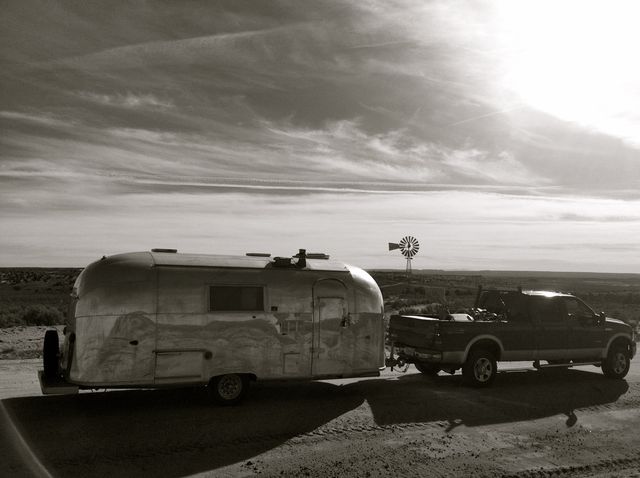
{"x": 617, "y": 339}
{"x": 489, "y": 342}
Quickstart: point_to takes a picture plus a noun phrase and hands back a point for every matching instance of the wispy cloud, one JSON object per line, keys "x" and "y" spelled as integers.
{"x": 127, "y": 100}
{"x": 40, "y": 118}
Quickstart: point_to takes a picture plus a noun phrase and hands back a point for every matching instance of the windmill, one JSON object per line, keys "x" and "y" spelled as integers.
{"x": 409, "y": 247}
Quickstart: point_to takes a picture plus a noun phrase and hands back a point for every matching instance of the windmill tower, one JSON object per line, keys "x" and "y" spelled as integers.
{"x": 409, "y": 247}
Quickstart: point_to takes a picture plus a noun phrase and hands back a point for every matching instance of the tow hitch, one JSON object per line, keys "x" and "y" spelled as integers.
{"x": 396, "y": 363}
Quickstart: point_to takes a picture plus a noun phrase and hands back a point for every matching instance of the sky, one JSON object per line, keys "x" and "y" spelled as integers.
{"x": 503, "y": 135}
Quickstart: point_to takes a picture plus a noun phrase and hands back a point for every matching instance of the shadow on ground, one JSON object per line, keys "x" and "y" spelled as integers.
{"x": 514, "y": 396}
{"x": 176, "y": 433}
{"x": 168, "y": 432}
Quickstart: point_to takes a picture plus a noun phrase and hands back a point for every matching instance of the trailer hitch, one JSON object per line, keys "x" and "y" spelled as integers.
{"x": 396, "y": 363}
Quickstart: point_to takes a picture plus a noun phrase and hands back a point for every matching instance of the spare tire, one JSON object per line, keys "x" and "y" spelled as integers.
{"x": 50, "y": 353}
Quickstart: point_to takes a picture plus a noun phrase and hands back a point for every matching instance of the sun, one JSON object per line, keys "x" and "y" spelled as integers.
{"x": 574, "y": 59}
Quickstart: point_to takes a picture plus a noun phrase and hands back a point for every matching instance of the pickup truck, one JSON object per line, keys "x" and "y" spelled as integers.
{"x": 555, "y": 328}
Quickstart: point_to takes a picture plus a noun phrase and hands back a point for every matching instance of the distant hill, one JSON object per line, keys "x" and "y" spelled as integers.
{"x": 497, "y": 273}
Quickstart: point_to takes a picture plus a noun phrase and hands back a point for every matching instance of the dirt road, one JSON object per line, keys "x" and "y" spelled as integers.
{"x": 572, "y": 423}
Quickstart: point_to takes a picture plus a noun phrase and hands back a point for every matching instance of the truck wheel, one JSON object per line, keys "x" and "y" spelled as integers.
{"x": 427, "y": 368}
{"x": 50, "y": 353}
{"x": 617, "y": 363}
{"x": 480, "y": 368}
{"x": 228, "y": 389}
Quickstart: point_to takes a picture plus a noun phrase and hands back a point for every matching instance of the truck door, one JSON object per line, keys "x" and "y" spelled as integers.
{"x": 586, "y": 334}
{"x": 330, "y": 311}
{"x": 551, "y": 328}
{"x": 516, "y": 329}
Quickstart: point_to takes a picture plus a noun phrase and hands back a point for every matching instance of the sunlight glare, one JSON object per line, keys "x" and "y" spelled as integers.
{"x": 575, "y": 60}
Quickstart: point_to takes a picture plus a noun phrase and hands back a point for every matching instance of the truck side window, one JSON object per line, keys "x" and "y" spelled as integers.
{"x": 236, "y": 298}
{"x": 577, "y": 309}
{"x": 516, "y": 307}
{"x": 544, "y": 310}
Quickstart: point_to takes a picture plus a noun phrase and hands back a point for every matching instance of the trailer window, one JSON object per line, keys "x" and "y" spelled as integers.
{"x": 235, "y": 298}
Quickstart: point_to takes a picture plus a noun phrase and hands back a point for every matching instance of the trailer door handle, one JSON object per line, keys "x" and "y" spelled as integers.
{"x": 133, "y": 342}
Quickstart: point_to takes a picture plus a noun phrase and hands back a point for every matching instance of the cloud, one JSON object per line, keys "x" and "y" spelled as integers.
{"x": 341, "y": 151}
{"x": 127, "y": 100}
{"x": 502, "y": 168}
{"x": 352, "y": 121}
{"x": 38, "y": 118}
{"x": 457, "y": 230}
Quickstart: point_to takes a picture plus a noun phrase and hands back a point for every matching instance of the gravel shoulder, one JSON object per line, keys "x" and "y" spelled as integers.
{"x": 23, "y": 342}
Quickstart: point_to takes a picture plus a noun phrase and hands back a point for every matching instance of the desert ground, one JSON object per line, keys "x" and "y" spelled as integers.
{"x": 554, "y": 423}
{"x": 571, "y": 423}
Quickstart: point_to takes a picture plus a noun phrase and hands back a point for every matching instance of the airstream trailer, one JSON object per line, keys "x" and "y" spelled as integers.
{"x": 160, "y": 318}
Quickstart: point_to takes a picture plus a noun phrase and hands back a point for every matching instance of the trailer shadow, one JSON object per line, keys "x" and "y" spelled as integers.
{"x": 176, "y": 432}
{"x": 168, "y": 433}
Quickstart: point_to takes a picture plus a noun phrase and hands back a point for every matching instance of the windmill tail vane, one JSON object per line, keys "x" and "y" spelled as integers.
{"x": 393, "y": 246}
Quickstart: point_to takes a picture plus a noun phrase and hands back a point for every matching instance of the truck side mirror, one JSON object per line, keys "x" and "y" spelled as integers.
{"x": 601, "y": 318}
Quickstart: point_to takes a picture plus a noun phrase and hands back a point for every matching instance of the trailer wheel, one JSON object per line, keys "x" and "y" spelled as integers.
{"x": 228, "y": 389}
{"x": 50, "y": 353}
{"x": 617, "y": 363}
{"x": 428, "y": 369}
{"x": 480, "y": 368}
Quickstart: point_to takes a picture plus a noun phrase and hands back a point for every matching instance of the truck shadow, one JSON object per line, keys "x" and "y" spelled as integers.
{"x": 514, "y": 396}
{"x": 176, "y": 432}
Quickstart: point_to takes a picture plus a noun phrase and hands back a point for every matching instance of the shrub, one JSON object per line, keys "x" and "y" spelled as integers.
{"x": 42, "y": 315}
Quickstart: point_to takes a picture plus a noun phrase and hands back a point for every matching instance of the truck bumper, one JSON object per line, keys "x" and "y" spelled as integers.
{"x": 412, "y": 354}
{"x": 419, "y": 354}
{"x": 55, "y": 386}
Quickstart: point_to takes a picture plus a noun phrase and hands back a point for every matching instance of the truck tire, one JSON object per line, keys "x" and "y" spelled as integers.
{"x": 428, "y": 369}
{"x": 50, "y": 353}
{"x": 480, "y": 368}
{"x": 228, "y": 389}
{"x": 617, "y": 363}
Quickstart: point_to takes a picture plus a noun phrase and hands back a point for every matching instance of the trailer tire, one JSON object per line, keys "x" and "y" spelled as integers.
{"x": 480, "y": 369}
{"x": 428, "y": 369}
{"x": 50, "y": 353}
{"x": 228, "y": 389}
{"x": 617, "y": 363}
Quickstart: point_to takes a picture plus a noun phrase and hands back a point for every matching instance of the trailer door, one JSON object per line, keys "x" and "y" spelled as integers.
{"x": 330, "y": 311}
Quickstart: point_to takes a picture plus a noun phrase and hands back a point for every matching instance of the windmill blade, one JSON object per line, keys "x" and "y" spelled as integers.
{"x": 409, "y": 246}
{"x": 393, "y": 246}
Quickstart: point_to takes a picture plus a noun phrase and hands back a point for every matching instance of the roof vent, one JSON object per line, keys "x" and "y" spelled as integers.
{"x": 317, "y": 255}
{"x": 258, "y": 254}
{"x": 170, "y": 251}
{"x": 298, "y": 261}
{"x": 282, "y": 262}
{"x": 302, "y": 258}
